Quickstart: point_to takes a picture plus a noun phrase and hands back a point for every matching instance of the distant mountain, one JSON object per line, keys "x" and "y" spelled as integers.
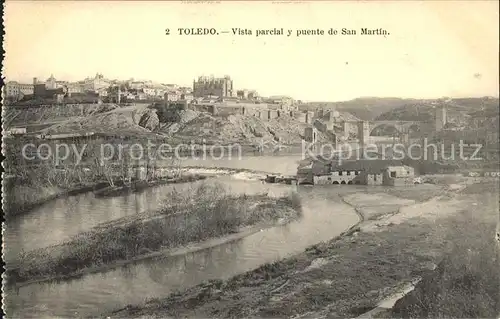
{"x": 458, "y": 110}
{"x": 409, "y": 112}
{"x": 371, "y": 108}
{"x": 365, "y": 108}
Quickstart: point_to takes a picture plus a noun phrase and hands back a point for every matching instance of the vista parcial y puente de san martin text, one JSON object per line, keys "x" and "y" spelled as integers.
{"x": 276, "y": 32}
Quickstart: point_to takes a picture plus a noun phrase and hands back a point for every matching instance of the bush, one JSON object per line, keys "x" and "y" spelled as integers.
{"x": 189, "y": 216}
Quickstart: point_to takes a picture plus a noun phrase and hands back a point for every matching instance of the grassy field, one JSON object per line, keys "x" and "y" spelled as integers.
{"x": 466, "y": 283}
{"x": 350, "y": 275}
{"x": 207, "y": 211}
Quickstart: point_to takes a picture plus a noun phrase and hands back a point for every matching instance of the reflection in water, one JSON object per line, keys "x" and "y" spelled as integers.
{"x": 63, "y": 218}
{"x": 325, "y": 216}
{"x": 60, "y": 219}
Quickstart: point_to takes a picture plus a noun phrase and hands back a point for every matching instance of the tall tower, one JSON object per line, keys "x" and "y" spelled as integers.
{"x": 363, "y": 133}
{"x": 440, "y": 118}
{"x": 346, "y": 129}
{"x": 51, "y": 82}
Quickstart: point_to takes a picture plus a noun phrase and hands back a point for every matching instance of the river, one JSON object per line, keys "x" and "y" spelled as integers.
{"x": 324, "y": 217}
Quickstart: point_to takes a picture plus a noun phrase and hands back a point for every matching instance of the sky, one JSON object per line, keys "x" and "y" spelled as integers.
{"x": 434, "y": 49}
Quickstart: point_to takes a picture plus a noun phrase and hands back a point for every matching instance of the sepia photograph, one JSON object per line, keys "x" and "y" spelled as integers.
{"x": 250, "y": 159}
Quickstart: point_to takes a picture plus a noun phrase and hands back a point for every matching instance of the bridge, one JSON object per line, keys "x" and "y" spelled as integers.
{"x": 365, "y": 128}
{"x": 399, "y": 126}
{"x": 403, "y": 128}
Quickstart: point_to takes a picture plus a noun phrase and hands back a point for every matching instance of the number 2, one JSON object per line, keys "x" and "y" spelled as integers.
{"x": 167, "y": 31}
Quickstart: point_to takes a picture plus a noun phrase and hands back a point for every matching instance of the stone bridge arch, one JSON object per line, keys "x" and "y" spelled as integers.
{"x": 399, "y": 127}
{"x": 375, "y": 125}
{"x": 404, "y": 128}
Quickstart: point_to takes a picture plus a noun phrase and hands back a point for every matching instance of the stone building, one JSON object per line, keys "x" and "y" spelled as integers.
{"x": 16, "y": 90}
{"x": 339, "y": 177}
{"x": 187, "y": 97}
{"x": 96, "y": 83}
{"x": 41, "y": 90}
{"x": 360, "y": 172}
{"x": 398, "y": 176}
{"x": 210, "y": 86}
{"x": 310, "y": 134}
{"x": 172, "y": 96}
{"x": 284, "y": 102}
{"x": 313, "y": 167}
{"x": 372, "y": 178}
{"x": 242, "y": 94}
{"x": 51, "y": 83}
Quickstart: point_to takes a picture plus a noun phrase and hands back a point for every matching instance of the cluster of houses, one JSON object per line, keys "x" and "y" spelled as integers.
{"x": 96, "y": 88}
{"x": 206, "y": 91}
{"x": 320, "y": 171}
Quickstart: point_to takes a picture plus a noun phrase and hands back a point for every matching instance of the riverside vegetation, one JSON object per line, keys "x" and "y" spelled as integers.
{"x": 31, "y": 182}
{"x": 205, "y": 212}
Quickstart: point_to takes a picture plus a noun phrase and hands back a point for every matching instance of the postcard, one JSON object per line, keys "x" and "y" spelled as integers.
{"x": 251, "y": 159}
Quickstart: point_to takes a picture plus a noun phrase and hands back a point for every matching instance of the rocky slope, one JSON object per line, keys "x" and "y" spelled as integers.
{"x": 120, "y": 120}
{"x": 198, "y": 126}
{"x": 19, "y": 116}
{"x": 181, "y": 125}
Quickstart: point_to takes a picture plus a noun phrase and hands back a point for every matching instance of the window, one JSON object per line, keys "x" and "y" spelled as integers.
{"x": 356, "y": 173}
{"x": 393, "y": 174}
{"x": 329, "y": 178}
{"x": 375, "y": 177}
{"x": 340, "y": 173}
{"x": 348, "y": 173}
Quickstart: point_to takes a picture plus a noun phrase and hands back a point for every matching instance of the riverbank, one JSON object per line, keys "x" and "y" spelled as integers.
{"x": 138, "y": 186}
{"x": 24, "y": 198}
{"x": 400, "y": 238}
{"x": 27, "y": 197}
{"x": 193, "y": 216}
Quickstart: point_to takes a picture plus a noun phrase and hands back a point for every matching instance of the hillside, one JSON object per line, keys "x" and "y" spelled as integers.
{"x": 370, "y": 108}
{"x": 463, "y": 114}
{"x": 19, "y": 116}
{"x": 176, "y": 125}
{"x": 130, "y": 120}
{"x": 198, "y": 126}
{"x": 187, "y": 125}
{"x": 459, "y": 111}
{"x": 366, "y": 108}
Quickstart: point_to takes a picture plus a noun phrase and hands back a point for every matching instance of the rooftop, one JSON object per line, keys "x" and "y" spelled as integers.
{"x": 399, "y": 167}
{"x": 375, "y": 166}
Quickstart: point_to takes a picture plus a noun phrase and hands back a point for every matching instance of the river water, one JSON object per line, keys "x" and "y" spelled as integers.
{"x": 325, "y": 216}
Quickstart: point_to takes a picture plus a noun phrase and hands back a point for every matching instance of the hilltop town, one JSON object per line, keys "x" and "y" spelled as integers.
{"x": 99, "y": 89}
{"x": 214, "y": 109}
{"x": 56, "y": 132}
{"x": 214, "y": 112}
{"x": 251, "y": 159}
